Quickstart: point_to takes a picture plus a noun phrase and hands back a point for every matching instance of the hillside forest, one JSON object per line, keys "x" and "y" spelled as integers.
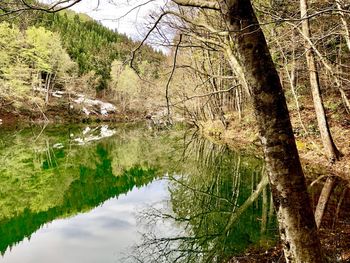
{"x": 270, "y": 77}
{"x": 68, "y": 52}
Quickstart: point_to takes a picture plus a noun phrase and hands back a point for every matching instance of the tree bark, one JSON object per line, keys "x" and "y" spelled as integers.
{"x": 296, "y": 220}
{"x": 331, "y": 150}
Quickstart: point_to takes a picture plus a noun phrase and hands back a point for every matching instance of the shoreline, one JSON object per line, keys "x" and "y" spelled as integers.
{"x": 243, "y": 136}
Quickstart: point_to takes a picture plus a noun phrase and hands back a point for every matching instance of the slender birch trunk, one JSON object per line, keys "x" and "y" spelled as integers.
{"x": 345, "y": 24}
{"x": 328, "y": 144}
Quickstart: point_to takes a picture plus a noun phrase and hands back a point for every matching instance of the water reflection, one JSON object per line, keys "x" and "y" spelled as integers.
{"x": 219, "y": 204}
{"x": 102, "y": 235}
{"x": 331, "y": 199}
{"x": 41, "y": 182}
{"x": 84, "y": 184}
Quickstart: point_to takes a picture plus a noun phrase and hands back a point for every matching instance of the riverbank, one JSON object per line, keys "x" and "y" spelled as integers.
{"x": 335, "y": 228}
{"x": 60, "y": 110}
{"x": 243, "y": 135}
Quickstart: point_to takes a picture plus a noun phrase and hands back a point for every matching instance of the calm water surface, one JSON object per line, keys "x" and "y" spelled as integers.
{"x": 127, "y": 194}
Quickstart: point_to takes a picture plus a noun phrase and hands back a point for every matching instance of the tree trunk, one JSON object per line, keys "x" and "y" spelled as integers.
{"x": 47, "y": 87}
{"x": 346, "y": 34}
{"x": 328, "y": 68}
{"x": 296, "y": 220}
{"x": 327, "y": 140}
{"x": 237, "y": 68}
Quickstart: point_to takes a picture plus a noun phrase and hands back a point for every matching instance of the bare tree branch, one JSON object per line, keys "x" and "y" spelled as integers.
{"x": 198, "y": 3}
{"x": 206, "y": 95}
{"x": 170, "y": 78}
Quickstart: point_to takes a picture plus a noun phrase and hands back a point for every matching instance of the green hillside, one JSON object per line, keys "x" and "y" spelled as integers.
{"x": 92, "y": 46}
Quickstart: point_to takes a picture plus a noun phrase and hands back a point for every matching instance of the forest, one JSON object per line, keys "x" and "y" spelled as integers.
{"x": 69, "y": 52}
{"x": 266, "y": 77}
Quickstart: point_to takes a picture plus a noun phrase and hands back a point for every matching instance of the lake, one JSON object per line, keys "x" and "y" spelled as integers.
{"x": 125, "y": 193}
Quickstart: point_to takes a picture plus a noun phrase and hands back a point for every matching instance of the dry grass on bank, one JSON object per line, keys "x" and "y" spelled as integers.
{"x": 243, "y": 134}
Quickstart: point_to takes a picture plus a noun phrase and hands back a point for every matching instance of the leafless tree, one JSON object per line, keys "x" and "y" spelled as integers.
{"x": 14, "y": 7}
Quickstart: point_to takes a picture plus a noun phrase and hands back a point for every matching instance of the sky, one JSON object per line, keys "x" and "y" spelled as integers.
{"x": 126, "y": 16}
{"x": 111, "y": 14}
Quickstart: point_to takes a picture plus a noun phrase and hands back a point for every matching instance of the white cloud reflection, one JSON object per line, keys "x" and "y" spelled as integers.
{"x": 101, "y": 235}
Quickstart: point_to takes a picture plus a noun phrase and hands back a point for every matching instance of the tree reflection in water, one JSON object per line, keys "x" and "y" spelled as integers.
{"x": 220, "y": 206}
{"x": 59, "y": 172}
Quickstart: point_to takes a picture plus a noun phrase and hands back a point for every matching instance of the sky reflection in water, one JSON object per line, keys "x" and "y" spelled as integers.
{"x": 90, "y": 202}
{"x": 105, "y": 234}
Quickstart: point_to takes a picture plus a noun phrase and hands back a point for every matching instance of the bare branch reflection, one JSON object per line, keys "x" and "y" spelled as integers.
{"x": 216, "y": 209}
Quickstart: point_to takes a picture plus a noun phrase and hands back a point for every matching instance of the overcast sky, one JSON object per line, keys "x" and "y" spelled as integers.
{"x": 108, "y": 13}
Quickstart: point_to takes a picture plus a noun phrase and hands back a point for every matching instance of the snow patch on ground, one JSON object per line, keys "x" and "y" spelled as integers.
{"x": 87, "y": 105}
{"x": 94, "y": 106}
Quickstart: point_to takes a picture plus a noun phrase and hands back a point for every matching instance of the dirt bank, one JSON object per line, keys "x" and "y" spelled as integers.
{"x": 243, "y": 135}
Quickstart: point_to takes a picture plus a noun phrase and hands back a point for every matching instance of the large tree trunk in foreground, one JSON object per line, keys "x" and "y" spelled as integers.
{"x": 296, "y": 220}
{"x": 327, "y": 140}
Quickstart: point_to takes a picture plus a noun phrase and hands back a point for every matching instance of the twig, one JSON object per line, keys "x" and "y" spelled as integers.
{"x": 170, "y": 78}
{"x": 206, "y": 95}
